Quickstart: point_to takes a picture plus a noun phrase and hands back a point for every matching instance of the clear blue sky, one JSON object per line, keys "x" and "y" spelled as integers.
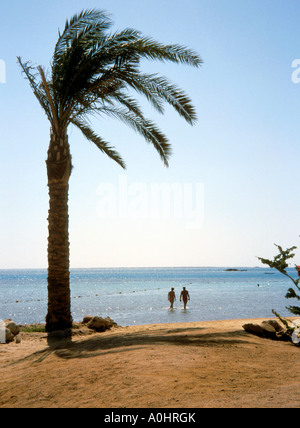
{"x": 244, "y": 149}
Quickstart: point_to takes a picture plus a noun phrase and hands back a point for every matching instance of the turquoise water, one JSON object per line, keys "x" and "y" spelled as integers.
{"x": 139, "y": 296}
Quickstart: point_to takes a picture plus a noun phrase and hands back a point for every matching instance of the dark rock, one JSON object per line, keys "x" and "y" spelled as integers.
{"x": 9, "y": 336}
{"x": 101, "y": 324}
{"x": 274, "y": 324}
{"x": 284, "y": 336}
{"x": 254, "y": 329}
{"x": 87, "y": 319}
{"x": 269, "y": 331}
{"x": 10, "y": 330}
{"x": 13, "y": 327}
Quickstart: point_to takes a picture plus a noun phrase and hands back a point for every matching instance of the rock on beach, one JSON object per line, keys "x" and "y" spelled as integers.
{"x": 11, "y": 331}
{"x": 270, "y": 329}
{"x": 98, "y": 323}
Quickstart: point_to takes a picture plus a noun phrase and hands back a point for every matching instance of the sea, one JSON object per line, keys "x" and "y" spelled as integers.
{"x": 138, "y": 296}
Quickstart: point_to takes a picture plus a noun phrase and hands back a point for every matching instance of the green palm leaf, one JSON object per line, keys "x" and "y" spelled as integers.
{"x": 93, "y": 71}
{"x": 102, "y": 145}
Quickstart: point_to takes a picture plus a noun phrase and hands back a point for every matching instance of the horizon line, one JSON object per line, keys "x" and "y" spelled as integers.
{"x": 140, "y": 267}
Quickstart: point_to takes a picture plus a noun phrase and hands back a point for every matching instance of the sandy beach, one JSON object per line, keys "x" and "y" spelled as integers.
{"x": 190, "y": 365}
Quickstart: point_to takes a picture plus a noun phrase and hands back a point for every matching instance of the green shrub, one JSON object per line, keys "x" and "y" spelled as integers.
{"x": 280, "y": 263}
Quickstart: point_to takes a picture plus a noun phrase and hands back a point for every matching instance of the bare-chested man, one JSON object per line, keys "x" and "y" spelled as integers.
{"x": 185, "y": 297}
{"x": 171, "y": 297}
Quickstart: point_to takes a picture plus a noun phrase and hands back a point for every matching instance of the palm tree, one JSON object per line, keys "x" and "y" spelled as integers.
{"x": 93, "y": 71}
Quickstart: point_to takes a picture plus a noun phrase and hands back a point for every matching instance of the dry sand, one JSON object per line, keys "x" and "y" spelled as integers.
{"x": 192, "y": 365}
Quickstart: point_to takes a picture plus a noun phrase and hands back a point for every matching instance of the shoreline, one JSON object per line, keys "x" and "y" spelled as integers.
{"x": 171, "y": 365}
{"x": 230, "y": 321}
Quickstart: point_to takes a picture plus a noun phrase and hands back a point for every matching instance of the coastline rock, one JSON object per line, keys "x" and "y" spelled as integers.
{"x": 254, "y": 329}
{"x": 9, "y": 337}
{"x": 87, "y": 319}
{"x": 101, "y": 324}
{"x": 270, "y": 329}
{"x": 284, "y": 336}
{"x": 264, "y": 330}
{"x": 274, "y": 324}
{"x": 12, "y": 326}
{"x": 11, "y": 331}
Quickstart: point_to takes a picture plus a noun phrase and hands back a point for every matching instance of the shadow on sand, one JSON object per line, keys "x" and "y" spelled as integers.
{"x": 99, "y": 344}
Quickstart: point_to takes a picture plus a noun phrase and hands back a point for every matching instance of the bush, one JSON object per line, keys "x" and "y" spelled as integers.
{"x": 280, "y": 263}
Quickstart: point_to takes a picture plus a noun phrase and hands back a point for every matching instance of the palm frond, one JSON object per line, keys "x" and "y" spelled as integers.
{"x": 31, "y": 74}
{"x": 157, "y": 89}
{"x": 174, "y": 53}
{"x": 94, "y": 71}
{"x": 80, "y": 23}
{"x": 144, "y": 127}
{"x": 49, "y": 98}
{"x": 73, "y": 45}
{"x": 131, "y": 42}
{"x": 173, "y": 95}
{"x": 101, "y": 144}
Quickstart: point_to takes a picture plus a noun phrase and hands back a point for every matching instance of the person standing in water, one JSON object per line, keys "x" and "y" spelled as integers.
{"x": 185, "y": 297}
{"x": 171, "y": 297}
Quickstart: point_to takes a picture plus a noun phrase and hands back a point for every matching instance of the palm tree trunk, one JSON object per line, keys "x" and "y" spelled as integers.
{"x": 58, "y": 169}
